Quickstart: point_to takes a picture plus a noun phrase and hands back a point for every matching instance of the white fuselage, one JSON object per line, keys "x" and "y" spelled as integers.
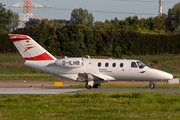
{"x": 116, "y": 69}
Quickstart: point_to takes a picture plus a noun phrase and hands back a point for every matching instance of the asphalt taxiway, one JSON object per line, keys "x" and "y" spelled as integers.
{"x": 51, "y": 91}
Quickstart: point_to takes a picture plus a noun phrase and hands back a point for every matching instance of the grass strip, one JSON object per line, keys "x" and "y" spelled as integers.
{"x": 37, "y": 75}
{"x": 123, "y": 105}
{"x": 130, "y": 85}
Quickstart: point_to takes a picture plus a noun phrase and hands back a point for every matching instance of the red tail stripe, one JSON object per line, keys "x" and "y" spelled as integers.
{"x": 11, "y": 35}
{"x": 27, "y": 48}
{"x": 43, "y": 56}
{"x": 19, "y": 39}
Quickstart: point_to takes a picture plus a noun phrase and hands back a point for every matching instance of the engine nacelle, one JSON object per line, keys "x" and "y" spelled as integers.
{"x": 70, "y": 62}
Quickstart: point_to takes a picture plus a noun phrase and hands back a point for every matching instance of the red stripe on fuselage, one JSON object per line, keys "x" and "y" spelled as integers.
{"x": 43, "y": 56}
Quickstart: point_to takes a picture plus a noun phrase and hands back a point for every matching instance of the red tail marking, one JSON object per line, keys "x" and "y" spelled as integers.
{"x": 11, "y": 35}
{"x": 18, "y": 37}
{"x": 27, "y": 48}
{"x": 43, "y": 56}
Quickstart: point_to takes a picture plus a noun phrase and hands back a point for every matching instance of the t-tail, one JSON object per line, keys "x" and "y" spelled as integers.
{"x": 30, "y": 49}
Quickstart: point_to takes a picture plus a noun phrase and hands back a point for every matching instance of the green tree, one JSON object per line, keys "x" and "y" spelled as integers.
{"x": 96, "y": 24}
{"x": 61, "y": 21}
{"x": 32, "y": 22}
{"x": 15, "y": 22}
{"x": 82, "y": 16}
{"x": 54, "y": 23}
{"x": 115, "y": 20}
{"x": 173, "y": 19}
{"x": 8, "y": 20}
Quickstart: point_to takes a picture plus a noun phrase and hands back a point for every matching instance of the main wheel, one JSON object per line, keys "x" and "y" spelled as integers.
{"x": 88, "y": 86}
{"x": 152, "y": 85}
{"x": 96, "y": 85}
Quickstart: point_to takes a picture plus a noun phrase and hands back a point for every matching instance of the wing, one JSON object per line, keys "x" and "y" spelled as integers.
{"x": 85, "y": 77}
{"x": 97, "y": 78}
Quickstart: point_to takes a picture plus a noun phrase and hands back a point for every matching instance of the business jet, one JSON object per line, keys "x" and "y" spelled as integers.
{"x": 93, "y": 72}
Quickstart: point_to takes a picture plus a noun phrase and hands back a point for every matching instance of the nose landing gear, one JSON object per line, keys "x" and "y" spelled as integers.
{"x": 152, "y": 85}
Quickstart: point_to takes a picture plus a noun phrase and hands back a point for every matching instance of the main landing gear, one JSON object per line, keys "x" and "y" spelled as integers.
{"x": 152, "y": 85}
{"x": 88, "y": 86}
{"x": 94, "y": 86}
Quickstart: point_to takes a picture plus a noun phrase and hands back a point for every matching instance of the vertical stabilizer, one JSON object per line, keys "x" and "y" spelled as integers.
{"x": 30, "y": 49}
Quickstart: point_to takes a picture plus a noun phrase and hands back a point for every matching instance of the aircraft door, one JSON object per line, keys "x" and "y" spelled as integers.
{"x": 121, "y": 69}
{"x": 133, "y": 67}
{"x": 133, "y": 71}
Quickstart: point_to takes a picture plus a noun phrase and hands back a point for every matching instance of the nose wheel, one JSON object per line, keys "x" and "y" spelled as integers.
{"x": 152, "y": 85}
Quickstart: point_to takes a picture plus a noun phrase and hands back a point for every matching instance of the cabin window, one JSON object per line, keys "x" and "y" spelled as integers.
{"x": 121, "y": 65}
{"x": 106, "y": 64}
{"x": 114, "y": 64}
{"x": 133, "y": 65}
{"x": 99, "y": 64}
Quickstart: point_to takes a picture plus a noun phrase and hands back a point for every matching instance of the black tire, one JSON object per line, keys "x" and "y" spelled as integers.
{"x": 152, "y": 85}
{"x": 96, "y": 85}
{"x": 88, "y": 86}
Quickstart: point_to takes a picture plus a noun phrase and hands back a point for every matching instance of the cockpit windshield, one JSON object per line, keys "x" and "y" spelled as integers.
{"x": 140, "y": 64}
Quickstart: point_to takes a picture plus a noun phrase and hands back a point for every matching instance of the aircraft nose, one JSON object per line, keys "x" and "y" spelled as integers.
{"x": 160, "y": 75}
{"x": 168, "y": 76}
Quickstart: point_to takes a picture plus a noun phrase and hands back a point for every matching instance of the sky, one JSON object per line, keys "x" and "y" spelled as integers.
{"x": 101, "y": 9}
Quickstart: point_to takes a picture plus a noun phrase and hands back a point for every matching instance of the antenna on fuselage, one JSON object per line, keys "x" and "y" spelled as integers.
{"x": 88, "y": 56}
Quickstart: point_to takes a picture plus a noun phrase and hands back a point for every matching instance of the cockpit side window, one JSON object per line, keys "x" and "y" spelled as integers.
{"x": 133, "y": 65}
{"x": 141, "y": 65}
